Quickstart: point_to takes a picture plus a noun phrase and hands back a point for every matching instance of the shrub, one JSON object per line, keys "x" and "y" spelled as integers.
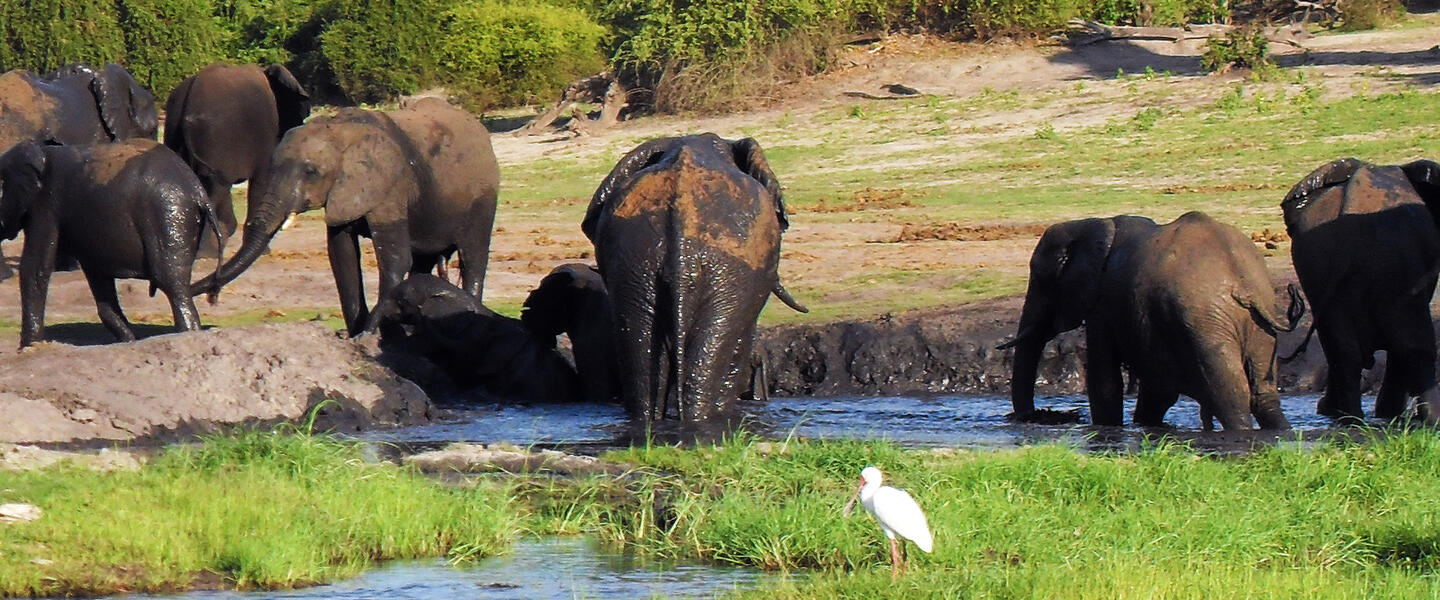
{"x": 1368, "y": 14}
{"x": 44, "y": 35}
{"x": 167, "y": 40}
{"x": 381, "y": 48}
{"x": 263, "y": 32}
{"x": 495, "y": 52}
{"x": 1244, "y": 47}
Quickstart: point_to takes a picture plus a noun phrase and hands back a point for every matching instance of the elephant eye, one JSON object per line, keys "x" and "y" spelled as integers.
{"x": 311, "y": 171}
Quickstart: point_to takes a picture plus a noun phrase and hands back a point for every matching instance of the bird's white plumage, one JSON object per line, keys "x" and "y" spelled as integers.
{"x": 895, "y": 510}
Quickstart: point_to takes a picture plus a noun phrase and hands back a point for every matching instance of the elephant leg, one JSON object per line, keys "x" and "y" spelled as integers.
{"x": 393, "y": 254}
{"x": 343, "y": 246}
{"x": 717, "y": 348}
{"x": 1342, "y": 382}
{"x": 107, "y": 303}
{"x": 1264, "y": 395}
{"x": 1103, "y": 381}
{"x": 5, "y": 271}
{"x": 1153, "y": 401}
{"x": 1410, "y": 364}
{"x": 644, "y": 384}
{"x": 219, "y": 194}
{"x": 474, "y": 250}
{"x": 1224, "y": 387}
{"x": 37, "y": 263}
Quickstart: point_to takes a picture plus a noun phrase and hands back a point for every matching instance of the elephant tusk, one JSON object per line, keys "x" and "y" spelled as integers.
{"x": 790, "y": 301}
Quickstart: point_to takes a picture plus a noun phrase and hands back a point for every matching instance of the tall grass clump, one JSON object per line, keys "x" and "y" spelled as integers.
{"x": 1341, "y": 520}
{"x": 256, "y": 510}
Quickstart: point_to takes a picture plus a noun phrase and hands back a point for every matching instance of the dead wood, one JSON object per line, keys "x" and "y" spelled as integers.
{"x": 601, "y": 88}
{"x": 1084, "y": 33}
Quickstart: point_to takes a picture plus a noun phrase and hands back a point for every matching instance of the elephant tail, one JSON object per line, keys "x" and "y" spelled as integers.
{"x": 212, "y": 294}
{"x": 790, "y": 301}
{"x": 1272, "y": 323}
{"x": 1304, "y": 344}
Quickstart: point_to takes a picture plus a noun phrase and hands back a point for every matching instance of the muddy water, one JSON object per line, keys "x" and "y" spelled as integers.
{"x": 554, "y": 568}
{"x": 949, "y": 421}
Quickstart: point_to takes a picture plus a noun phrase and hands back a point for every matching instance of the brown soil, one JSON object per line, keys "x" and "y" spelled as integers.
{"x": 166, "y": 386}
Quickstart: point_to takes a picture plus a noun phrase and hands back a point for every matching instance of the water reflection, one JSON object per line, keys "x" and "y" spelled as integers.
{"x": 554, "y": 568}
{"x": 949, "y": 421}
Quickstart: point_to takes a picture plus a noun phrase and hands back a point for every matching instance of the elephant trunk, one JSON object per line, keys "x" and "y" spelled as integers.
{"x": 1035, "y": 331}
{"x": 261, "y": 225}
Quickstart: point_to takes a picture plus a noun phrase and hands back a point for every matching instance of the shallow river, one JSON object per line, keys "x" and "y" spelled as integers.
{"x": 950, "y": 421}
{"x": 549, "y": 569}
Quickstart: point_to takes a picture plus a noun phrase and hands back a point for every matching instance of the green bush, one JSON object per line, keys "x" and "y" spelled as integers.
{"x": 381, "y": 48}
{"x": 1356, "y": 15}
{"x": 167, "y": 40}
{"x": 44, "y": 35}
{"x": 263, "y": 32}
{"x": 1242, "y": 47}
{"x": 503, "y": 53}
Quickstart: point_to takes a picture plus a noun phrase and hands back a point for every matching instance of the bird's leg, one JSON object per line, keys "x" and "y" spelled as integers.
{"x": 894, "y": 560}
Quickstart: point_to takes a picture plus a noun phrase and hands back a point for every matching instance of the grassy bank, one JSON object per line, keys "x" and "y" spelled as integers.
{"x": 257, "y": 510}
{"x": 1342, "y": 520}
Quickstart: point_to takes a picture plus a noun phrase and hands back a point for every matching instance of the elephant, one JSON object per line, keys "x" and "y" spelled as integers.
{"x": 572, "y": 300}
{"x": 128, "y": 209}
{"x": 421, "y": 181}
{"x": 225, "y": 121}
{"x": 1366, "y": 249}
{"x": 477, "y": 348}
{"x": 687, "y": 237}
{"x": 74, "y": 105}
{"x": 1187, "y": 306}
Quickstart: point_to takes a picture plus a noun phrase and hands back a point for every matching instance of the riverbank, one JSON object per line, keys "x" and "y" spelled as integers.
{"x": 1337, "y": 520}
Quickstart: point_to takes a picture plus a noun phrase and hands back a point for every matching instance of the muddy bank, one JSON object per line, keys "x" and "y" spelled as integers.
{"x": 171, "y": 387}
{"x": 952, "y": 351}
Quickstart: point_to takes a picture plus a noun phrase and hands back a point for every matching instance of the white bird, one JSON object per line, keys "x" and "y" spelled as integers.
{"x": 896, "y": 512}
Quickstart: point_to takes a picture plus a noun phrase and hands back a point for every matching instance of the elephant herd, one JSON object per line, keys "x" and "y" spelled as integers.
{"x": 687, "y": 235}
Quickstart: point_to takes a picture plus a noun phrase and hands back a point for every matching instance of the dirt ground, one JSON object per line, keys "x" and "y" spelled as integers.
{"x": 294, "y": 280}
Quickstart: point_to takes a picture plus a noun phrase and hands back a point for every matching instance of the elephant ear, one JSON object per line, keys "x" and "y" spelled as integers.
{"x": 1334, "y": 173}
{"x": 143, "y": 116}
{"x": 1424, "y": 175}
{"x": 547, "y": 309}
{"x": 126, "y": 109}
{"x": 1080, "y": 265}
{"x": 108, "y": 104}
{"x": 22, "y": 169}
{"x": 618, "y": 180}
{"x": 751, "y": 159}
{"x": 292, "y": 102}
{"x": 377, "y": 177}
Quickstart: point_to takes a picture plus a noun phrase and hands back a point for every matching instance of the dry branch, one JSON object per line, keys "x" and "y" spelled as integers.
{"x": 602, "y": 88}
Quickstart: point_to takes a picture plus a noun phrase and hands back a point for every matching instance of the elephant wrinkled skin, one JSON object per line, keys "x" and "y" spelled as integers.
{"x": 687, "y": 237}
{"x": 1366, "y": 250}
{"x": 124, "y": 210}
{"x": 420, "y": 181}
{"x": 1187, "y": 306}
{"x": 225, "y": 121}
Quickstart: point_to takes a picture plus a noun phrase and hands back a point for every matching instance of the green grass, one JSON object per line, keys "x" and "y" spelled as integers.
{"x": 258, "y": 510}
{"x": 1333, "y": 520}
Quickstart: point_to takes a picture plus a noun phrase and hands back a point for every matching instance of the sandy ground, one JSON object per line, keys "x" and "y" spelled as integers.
{"x": 294, "y": 279}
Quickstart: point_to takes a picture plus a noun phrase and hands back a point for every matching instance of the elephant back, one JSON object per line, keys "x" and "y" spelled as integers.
{"x": 223, "y": 121}
{"x": 25, "y": 113}
{"x": 1345, "y": 188}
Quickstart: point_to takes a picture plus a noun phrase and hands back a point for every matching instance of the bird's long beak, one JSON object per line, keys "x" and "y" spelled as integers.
{"x": 849, "y": 506}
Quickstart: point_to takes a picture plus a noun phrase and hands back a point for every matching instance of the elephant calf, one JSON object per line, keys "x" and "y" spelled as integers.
{"x": 572, "y": 300}
{"x": 427, "y": 316}
{"x": 1366, "y": 249}
{"x": 129, "y": 209}
{"x": 1188, "y": 306}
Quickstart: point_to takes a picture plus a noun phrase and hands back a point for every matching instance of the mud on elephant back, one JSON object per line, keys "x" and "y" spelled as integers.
{"x": 1367, "y": 250}
{"x": 687, "y": 237}
{"x": 1187, "y": 306}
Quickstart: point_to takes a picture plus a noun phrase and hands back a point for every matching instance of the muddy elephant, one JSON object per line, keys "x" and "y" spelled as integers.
{"x": 226, "y": 120}
{"x": 1187, "y": 306}
{"x": 420, "y": 181}
{"x": 572, "y": 300}
{"x": 687, "y": 237}
{"x": 478, "y": 349}
{"x": 74, "y": 105}
{"x": 1366, "y": 249}
{"x": 130, "y": 209}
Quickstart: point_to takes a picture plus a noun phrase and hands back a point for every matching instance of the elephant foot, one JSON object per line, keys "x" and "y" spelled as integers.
{"x": 1046, "y": 416}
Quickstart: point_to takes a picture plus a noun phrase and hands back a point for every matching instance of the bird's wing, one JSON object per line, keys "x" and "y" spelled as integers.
{"x": 898, "y": 511}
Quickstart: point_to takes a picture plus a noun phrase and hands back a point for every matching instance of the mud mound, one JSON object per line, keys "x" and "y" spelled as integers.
{"x": 863, "y": 200}
{"x": 174, "y": 386}
{"x": 952, "y": 232}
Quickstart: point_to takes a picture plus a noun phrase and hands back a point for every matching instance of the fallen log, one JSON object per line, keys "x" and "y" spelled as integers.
{"x": 601, "y": 88}
{"x": 1084, "y": 33}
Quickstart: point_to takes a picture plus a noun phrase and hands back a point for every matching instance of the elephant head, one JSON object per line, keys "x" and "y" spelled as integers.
{"x": 127, "y": 110}
{"x": 1065, "y": 283}
{"x": 22, "y": 169}
{"x": 346, "y": 164}
{"x": 292, "y": 102}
